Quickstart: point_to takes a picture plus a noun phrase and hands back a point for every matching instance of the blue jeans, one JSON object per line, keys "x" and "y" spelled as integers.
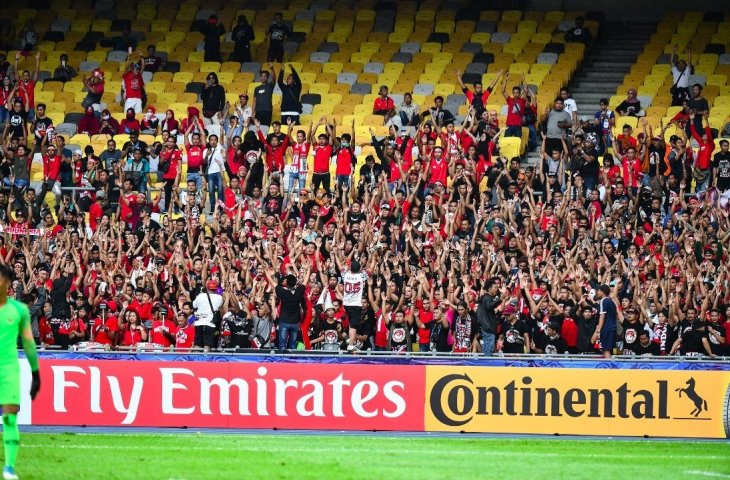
{"x": 513, "y": 131}
{"x": 489, "y": 341}
{"x": 288, "y": 336}
{"x": 4, "y": 115}
{"x": 295, "y": 178}
{"x": 194, "y": 176}
{"x": 215, "y": 184}
{"x": 532, "y": 135}
{"x": 423, "y": 347}
{"x": 408, "y": 123}
{"x": 343, "y": 181}
{"x": 143, "y": 185}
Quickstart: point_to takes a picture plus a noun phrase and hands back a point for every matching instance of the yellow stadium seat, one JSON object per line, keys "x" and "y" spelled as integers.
{"x": 510, "y": 147}
{"x": 73, "y": 86}
{"x": 185, "y": 77}
{"x": 718, "y": 80}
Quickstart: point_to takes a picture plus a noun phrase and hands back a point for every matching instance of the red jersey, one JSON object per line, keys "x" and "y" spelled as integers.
{"x": 381, "y": 105}
{"x": 29, "y": 88}
{"x": 130, "y": 336}
{"x": 450, "y": 143}
{"x": 322, "y": 154}
{"x": 275, "y": 155}
{"x": 381, "y": 329}
{"x": 157, "y": 335}
{"x": 95, "y": 214}
{"x": 144, "y": 310}
{"x": 439, "y": 171}
{"x": 424, "y": 334}
{"x": 631, "y": 171}
{"x": 52, "y": 167}
{"x": 195, "y": 158}
{"x": 515, "y": 111}
{"x": 133, "y": 85}
{"x": 102, "y": 329}
{"x": 345, "y": 160}
{"x": 185, "y": 336}
{"x": 46, "y": 332}
{"x": 299, "y": 153}
{"x": 174, "y": 157}
{"x": 704, "y": 155}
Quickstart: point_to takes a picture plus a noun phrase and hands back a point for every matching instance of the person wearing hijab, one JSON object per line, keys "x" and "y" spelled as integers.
{"x": 242, "y": 35}
{"x": 170, "y": 124}
{"x": 193, "y": 113}
{"x": 631, "y": 106}
{"x": 89, "y": 124}
{"x": 251, "y": 148}
{"x": 130, "y": 123}
{"x": 213, "y": 96}
{"x": 109, "y": 125}
{"x": 150, "y": 122}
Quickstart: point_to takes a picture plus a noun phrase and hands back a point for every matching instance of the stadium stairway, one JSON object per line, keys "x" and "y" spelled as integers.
{"x": 609, "y": 60}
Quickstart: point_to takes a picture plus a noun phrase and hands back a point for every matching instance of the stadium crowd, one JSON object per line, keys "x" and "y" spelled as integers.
{"x": 438, "y": 242}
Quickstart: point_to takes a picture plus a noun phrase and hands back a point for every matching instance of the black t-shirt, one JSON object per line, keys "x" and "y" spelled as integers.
{"x": 41, "y": 125}
{"x": 631, "y": 336}
{"x": 514, "y": 336}
{"x": 238, "y": 328}
{"x": 399, "y": 336}
{"x": 699, "y": 105}
{"x": 291, "y": 303}
{"x": 263, "y": 94}
{"x": 652, "y": 349}
{"x": 692, "y": 342}
{"x": 16, "y": 122}
{"x": 553, "y": 345}
{"x": 716, "y": 347}
{"x": 278, "y": 33}
{"x": 721, "y": 162}
{"x": 331, "y": 333}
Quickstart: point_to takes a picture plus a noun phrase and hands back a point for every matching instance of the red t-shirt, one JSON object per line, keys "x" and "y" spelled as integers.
{"x": 344, "y": 161}
{"x": 185, "y": 336}
{"x": 322, "y": 154}
{"x": 174, "y": 158}
{"x": 704, "y": 155}
{"x": 439, "y": 171}
{"x": 424, "y": 334}
{"x": 383, "y": 104}
{"x": 195, "y": 158}
{"x": 131, "y": 336}
{"x": 156, "y": 334}
{"x": 52, "y": 167}
{"x": 101, "y": 336}
{"x": 515, "y": 111}
{"x": 29, "y": 88}
{"x": 133, "y": 85}
{"x": 381, "y": 330}
{"x": 95, "y": 214}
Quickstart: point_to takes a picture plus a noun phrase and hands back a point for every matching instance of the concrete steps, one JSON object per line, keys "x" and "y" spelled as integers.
{"x": 610, "y": 59}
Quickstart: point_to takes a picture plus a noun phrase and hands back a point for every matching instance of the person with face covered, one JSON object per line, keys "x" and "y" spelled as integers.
{"x": 89, "y": 124}
{"x": 130, "y": 123}
{"x": 108, "y": 124}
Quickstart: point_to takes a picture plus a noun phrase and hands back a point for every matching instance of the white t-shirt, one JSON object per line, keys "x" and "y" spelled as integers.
{"x": 203, "y": 313}
{"x": 216, "y": 161}
{"x": 570, "y": 105}
{"x": 353, "y": 283}
{"x": 683, "y": 81}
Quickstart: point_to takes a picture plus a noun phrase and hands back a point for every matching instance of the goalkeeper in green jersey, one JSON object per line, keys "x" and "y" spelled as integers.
{"x": 14, "y": 321}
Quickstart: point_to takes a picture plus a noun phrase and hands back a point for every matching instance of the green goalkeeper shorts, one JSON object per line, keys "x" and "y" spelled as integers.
{"x": 10, "y": 384}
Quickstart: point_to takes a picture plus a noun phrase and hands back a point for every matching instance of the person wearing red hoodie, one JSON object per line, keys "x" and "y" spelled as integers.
{"x": 170, "y": 161}
{"x": 170, "y": 124}
{"x": 193, "y": 114}
{"x": 703, "y": 162}
{"x": 89, "y": 124}
{"x": 150, "y": 122}
{"x": 129, "y": 123}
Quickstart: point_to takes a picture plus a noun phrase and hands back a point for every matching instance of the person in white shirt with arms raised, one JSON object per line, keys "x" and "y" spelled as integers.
{"x": 206, "y": 305}
{"x": 354, "y": 280}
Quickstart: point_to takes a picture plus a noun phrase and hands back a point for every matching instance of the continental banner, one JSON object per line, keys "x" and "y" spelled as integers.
{"x": 662, "y": 403}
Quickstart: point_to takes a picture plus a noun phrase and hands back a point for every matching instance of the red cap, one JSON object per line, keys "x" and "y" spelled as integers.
{"x": 211, "y": 285}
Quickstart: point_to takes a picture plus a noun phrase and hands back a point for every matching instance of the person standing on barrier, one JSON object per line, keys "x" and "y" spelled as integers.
{"x": 207, "y": 306}
{"x": 488, "y": 311}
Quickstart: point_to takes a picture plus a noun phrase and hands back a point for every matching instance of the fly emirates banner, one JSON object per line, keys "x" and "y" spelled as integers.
{"x": 578, "y": 401}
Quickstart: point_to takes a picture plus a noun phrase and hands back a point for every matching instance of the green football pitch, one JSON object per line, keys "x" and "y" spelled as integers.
{"x": 325, "y": 456}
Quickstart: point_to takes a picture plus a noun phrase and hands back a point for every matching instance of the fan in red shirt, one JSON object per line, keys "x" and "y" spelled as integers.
{"x": 322, "y": 153}
{"x": 275, "y": 150}
{"x": 132, "y": 332}
{"x": 478, "y": 98}
{"x": 438, "y": 167}
{"x": 105, "y": 329}
{"x": 26, "y": 84}
{"x": 383, "y": 105}
{"x": 96, "y": 211}
{"x": 170, "y": 160}
{"x": 184, "y": 333}
{"x": 163, "y": 329}
{"x": 631, "y": 169}
{"x": 133, "y": 84}
{"x": 707, "y": 145}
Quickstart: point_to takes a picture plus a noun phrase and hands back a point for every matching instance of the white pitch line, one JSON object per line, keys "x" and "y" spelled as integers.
{"x": 707, "y": 474}
{"x": 385, "y": 450}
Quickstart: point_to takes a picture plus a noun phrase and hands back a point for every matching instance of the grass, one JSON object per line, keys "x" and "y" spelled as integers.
{"x": 323, "y": 457}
